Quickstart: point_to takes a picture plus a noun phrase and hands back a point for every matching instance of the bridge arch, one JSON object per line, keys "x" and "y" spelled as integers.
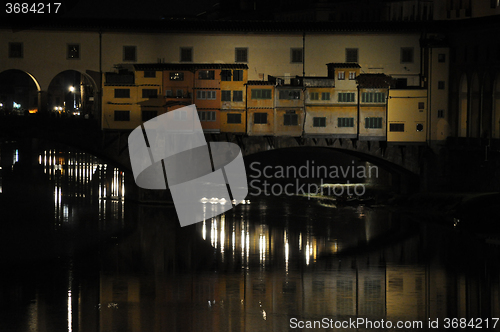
{"x": 19, "y": 91}
{"x": 72, "y": 91}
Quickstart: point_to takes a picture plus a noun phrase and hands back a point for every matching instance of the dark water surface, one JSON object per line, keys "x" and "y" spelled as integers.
{"x": 77, "y": 257}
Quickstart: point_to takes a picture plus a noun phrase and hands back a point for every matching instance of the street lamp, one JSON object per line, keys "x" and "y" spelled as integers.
{"x": 72, "y": 90}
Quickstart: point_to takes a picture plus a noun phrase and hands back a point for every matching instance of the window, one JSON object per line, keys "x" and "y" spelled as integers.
{"x": 291, "y": 119}
{"x": 296, "y": 55}
{"x": 176, "y": 76}
{"x": 241, "y": 54}
{"x": 352, "y": 75}
{"x": 73, "y": 51}
{"x": 129, "y": 53}
{"x": 345, "y": 122}
{"x": 440, "y": 113}
{"x": 237, "y": 95}
{"x": 206, "y": 115}
{"x": 168, "y": 93}
{"x": 341, "y": 75}
{"x": 260, "y": 118}
{"x": 351, "y": 55}
{"x": 261, "y": 94}
{"x": 346, "y": 97}
{"x": 406, "y": 54}
{"x": 16, "y": 50}
{"x": 203, "y": 94}
{"x": 148, "y": 115}
{"x": 397, "y": 127}
{"x": 421, "y": 105}
{"x": 314, "y": 96}
{"x": 319, "y": 122}
{"x": 149, "y": 73}
{"x": 441, "y": 57}
{"x": 237, "y": 75}
{"x": 122, "y": 93}
{"x": 186, "y": 54}
{"x": 225, "y": 75}
{"x": 179, "y": 93}
{"x": 149, "y": 93}
{"x": 225, "y": 95}
{"x": 233, "y": 118}
{"x": 373, "y": 97}
{"x": 420, "y": 127}
{"x": 122, "y": 116}
{"x": 289, "y": 94}
{"x": 441, "y": 85}
{"x": 373, "y": 123}
{"x": 206, "y": 75}
{"x": 325, "y": 96}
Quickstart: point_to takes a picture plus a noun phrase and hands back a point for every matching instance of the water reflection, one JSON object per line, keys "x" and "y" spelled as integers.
{"x": 251, "y": 269}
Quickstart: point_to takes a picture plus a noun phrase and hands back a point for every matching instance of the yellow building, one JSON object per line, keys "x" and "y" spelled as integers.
{"x": 288, "y": 107}
{"x": 260, "y": 108}
{"x": 320, "y": 117}
{"x": 407, "y": 115}
{"x": 233, "y": 98}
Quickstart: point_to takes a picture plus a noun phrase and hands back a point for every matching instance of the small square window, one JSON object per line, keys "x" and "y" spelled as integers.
{"x": 149, "y": 73}
{"x": 149, "y": 93}
{"x": 325, "y": 96}
{"x": 129, "y": 53}
{"x": 400, "y": 127}
{"x": 341, "y": 75}
{"x": 351, "y": 55}
{"x": 441, "y": 57}
{"x": 16, "y": 50}
{"x": 441, "y": 85}
{"x": 420, "y": 127}
{"x": 122, "y": 93}
{"x": 440, "y": 113}
{"x": 421, "y": 105}
{"x": 291, "y": 119}
{"x": 237, "y": 95}
{"x": 225, "y": 75}
{"x": 148, "y": 115}
{"x": 314, "y": 96}
{"x": 225, "y": 95}
{"x": 296, "y": 55}
{"x": 186, "y": 54}
{"x": 352, "y": 75}
{"x": 406, "y": 54}
{"x": 206, "y": 75}
{"x": 241, "y": 54}
{"x": 73, "y": 51}
{"x": 260, "y": 118}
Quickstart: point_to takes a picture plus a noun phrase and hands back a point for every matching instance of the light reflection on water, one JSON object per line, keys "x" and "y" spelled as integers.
{"x": 251, "y": 269}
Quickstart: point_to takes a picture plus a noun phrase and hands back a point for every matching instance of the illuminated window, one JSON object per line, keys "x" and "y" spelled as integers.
{"x": 341, "y": 75}
{"x": 352, "y": 75}
{"x": 206, "y": 75}
{"x": 176, "y": 76}
{"x": 73, "y": 51}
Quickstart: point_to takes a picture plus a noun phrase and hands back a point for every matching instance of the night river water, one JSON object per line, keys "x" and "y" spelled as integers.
{"x": 77, "y": 256}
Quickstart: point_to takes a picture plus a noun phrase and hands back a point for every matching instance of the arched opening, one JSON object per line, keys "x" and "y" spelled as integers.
{"x": 18, "y": 93}
{"x": 475, "y": 108}
{"x": 486, "y": 106}
{"x": 495, "y": 123}
{"x": 72, "y": 93}
{"x": 462, "y": 107}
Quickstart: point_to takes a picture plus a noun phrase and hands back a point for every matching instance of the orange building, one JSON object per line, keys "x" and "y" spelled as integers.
{"x": 260, "y": 108}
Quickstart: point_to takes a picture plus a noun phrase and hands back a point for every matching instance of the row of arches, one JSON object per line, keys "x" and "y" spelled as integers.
{"x": 478, "y": 105}
{"x": 70, "y": 92}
